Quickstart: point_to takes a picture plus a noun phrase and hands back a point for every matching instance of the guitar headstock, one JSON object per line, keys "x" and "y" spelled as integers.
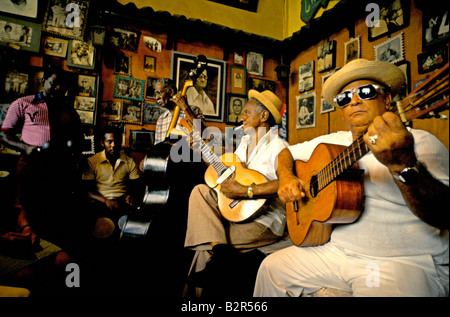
{"x": 200, "y": 65}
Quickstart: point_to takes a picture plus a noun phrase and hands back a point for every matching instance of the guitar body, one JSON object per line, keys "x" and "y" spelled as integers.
{"x": 236, "y": 210}
{"x": 338, "y": 203}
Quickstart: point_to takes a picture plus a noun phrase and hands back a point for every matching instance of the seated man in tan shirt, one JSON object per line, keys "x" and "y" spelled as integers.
{"x": 112, "y": 181}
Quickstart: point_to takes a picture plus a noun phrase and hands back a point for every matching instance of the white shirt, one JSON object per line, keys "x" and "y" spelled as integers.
{"x": 387, "y": 227}
{"x": 200, "y": 100}
{"x": 264, "y": 160}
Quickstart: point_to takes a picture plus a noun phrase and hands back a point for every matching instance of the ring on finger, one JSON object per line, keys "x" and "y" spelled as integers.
{"x": 373, "y": 139}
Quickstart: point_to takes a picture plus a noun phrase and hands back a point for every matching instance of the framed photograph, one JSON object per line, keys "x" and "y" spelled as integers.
{"x": 239, "y": 57}
{"x": 111, "y": 110}
{"x": 152, "y": 111}
{"x": 306, "y": 111}
{"x": 124, "y": 39}
{"x": 326, "y": 56}
{"x": 55, "y": 46}
{"x": 98, "y": 34}
{"x": 88, "y": 147}
{"x": 66, "y": 19}
{"x": 141, "y": 140}
{"x": 255, "y": 63}
{"x": 81, "y": 54}
{"x": 122, "y": 64}
{"x": 129, "y": 88}
{"x": 208, "y": 92}
{"x": 306, "y": 77}
{"x": 432, "y": 60}
{"x": 152, "y": 44}
{"x": 87, "y": 117}
{"x": 261, "y": 84}
{"x": 235, "y": 108}
{"x": 15, "y": 84}
{"x": 248, "y": 5}
{"x": 24, "y": 8}
{"x": 20, "y": 34}
{"x": 352, "y": 49}
{"x": 132, "y": 111}
{"x": 84, "y": 103}
{"x": 150, "y": 91}
{"x": 390, "y": 50}
{"x": 325, "y": 106}
{"x": 238, "y": 80}
{"x": 394, "y": 16}
{"x": 435, "y": 31}
{"x": 149, "y": 64}
{"x": 87, "y": 85}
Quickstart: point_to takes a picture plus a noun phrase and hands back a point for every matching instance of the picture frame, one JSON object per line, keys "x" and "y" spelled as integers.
{"x": 238, "y": 80}
{"x": 435, "y": 29}
{"x": 239, "y": 57}
{"x": 255, "y": 63}
{"x": 111, "y": 110}
{"x": 391, "y": 50}
{"x": 67, "y": 21}
{"x": 326, "y": 56}
{"x": 213, "y": 93}
{"x": 55, "y": 46}
{"x": 352, "y": 49}
{"x": 20, "y": 34}
{"x": 122, "y": 64}
{"x": 88, "y": 147}
{"x": 132, "y": 111}
{"x": 124, "y": 39}
{"x": 433, "y": 59}
{"x": 152, "y": 44}
{"x": 86, "y": 117}
{"x": 152, "y": 111}
{"x": 260, "y": 84}
{"x": 27, "y": 9}
{"x": 150, "y": 90}
{"x": 235, "y": 108}
{"x": 325, "y": 106}
{"x": 87, "y": 85}
{"x": 15, "y": 84}
{"x": 306, "y": 77}
{"x": 394, "y": 16}
{"x": 129, "y": 88}
{"x": 149, "y": 64}
{"x": 81, "y": 54}
{"x": 306, "y": 111}
{"x": 98, "y": 34}
{"x": 141, "y": 140}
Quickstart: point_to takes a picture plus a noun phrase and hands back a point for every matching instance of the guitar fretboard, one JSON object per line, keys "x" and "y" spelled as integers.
{"x": 340, "y": 164}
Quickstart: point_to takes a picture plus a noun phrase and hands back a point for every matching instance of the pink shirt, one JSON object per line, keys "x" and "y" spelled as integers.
{"x": 29, "y": 115}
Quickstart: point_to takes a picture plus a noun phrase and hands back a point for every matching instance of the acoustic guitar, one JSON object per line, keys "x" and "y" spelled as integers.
{"x": 332, "y": 181}
{"x": 221, "y": 168}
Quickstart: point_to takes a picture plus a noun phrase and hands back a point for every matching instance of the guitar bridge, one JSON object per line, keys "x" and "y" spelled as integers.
{"x": 234, "y": 203}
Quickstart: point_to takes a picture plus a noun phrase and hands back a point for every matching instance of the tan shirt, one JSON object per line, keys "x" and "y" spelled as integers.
{"x": 111, "y": 183}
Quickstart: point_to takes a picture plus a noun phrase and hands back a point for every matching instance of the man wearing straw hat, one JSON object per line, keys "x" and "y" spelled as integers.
{"x": 399, "y": 244}
{"x": 207, "y": 229}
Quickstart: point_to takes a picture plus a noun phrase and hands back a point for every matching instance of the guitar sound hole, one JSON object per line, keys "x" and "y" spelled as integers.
{"x": 313, "y": 186}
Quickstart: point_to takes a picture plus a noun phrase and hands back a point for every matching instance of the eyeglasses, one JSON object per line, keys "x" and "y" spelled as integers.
{"x": 365, "y": 92}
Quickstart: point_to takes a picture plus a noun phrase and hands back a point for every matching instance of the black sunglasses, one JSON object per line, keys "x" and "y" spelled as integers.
{"x": 365, "y": 92}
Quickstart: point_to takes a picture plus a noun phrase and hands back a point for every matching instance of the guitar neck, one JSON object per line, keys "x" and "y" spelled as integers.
{"x": 208, "y": 154}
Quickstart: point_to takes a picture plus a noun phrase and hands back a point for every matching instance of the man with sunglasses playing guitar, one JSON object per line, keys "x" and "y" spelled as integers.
{"x": 399, "y": 244}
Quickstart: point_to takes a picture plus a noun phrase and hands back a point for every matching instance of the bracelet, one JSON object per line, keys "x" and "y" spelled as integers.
{"x": 23, "y": 227}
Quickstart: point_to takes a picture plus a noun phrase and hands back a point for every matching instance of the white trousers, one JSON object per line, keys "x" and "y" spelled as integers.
{"x": 296, "y": 270}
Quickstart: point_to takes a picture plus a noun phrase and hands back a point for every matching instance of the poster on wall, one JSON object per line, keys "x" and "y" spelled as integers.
{"x": 208, "y": 92}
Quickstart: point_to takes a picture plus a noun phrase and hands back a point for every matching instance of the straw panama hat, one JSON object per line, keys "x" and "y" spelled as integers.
{"x": 384, "y": 73}
{"x": 270, "y": 101}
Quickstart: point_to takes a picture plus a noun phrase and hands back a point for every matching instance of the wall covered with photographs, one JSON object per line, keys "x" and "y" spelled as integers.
{"x": 412, "y": 35}
{"x": 115, "y": 60}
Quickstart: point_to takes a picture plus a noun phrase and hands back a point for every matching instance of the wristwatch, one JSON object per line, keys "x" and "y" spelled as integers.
{"x": 409, "y": 174}
{"x": 250, "y": 191}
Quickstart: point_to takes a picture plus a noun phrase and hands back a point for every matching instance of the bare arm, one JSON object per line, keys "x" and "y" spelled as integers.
{"x": 290, "y": 188}
{"x": 10, "y": 140}
{"x": 394, "y": 148}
